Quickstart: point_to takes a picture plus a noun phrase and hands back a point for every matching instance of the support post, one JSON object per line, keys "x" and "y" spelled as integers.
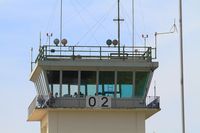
{"x": 181, "y": 67}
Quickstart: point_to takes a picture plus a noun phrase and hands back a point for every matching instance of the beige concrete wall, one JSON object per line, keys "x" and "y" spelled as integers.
{"x": 96, "y": 122}
{"x": 43, "y": 124}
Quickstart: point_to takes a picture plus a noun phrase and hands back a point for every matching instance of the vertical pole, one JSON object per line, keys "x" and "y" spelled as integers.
{"x": 31, "y": 59}
{"x": 45, "y": 50}
{"x": 118, "y": 27}
{"x": 181, "y": 66}
{"x": 100, "y": 52}
{"x": 133, "y": 21}
{"x": 115, "y": 87}
{"x": 145, "y": 39}
{"x": 79, "y": 83}
{"x": 40, "y": 40}
{"x": 133, "y": 85}
{"x": 49, "y": 43}
{"x": 61, "y": 81}
{"x": 123, "y": 52}
{"x": 73, "y": 53}
{"x": 60, "y": 24}
{"x": 97, "y": 82}
{"x": 154, "y": 89}
{"x": 156, "y": 44}
{"x": 49, "y": 35}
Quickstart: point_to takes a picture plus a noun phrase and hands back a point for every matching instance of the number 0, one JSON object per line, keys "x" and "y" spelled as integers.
{"x": 92, "y": 101}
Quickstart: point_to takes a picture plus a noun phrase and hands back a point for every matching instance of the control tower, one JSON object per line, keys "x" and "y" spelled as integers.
{"x": 93, "y": 89}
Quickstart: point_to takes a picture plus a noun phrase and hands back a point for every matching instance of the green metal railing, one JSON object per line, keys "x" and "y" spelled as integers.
{"x": 95, "y": 52}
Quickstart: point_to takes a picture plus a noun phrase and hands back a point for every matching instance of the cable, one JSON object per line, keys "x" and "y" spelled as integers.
{"x": 98, "y": 21}
{"x": 52, "y": 16}
{"x": 127, "y": 18}
{"x": 89, "y": 14}
{"x": 82, "y": 18}
{"x": 101, "y": 21}
{"x": 142, "y": 15}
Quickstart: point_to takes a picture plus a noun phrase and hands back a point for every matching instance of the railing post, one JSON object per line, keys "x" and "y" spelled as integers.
{"x": 100, "y": 52}
{"x": 149, "y": 52}
{"x": 123, "y": 52}
{"x": 73, "y": 53}
{"x": 45, "y": 52}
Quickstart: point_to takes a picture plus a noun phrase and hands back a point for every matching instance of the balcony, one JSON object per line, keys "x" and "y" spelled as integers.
{"x": 80, "y": 103}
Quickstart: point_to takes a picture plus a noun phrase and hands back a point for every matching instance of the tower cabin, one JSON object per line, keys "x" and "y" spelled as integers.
{"x": 93, "y": 89}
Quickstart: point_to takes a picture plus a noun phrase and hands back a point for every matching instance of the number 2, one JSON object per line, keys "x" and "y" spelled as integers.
{"x": 105, "y": 101}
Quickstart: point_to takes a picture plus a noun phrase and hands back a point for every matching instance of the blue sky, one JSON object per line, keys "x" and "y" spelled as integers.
{"x": 90, "y": 22}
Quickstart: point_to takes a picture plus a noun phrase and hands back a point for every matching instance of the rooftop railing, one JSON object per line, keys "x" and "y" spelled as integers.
{"x": 80, "y": 102}
{"x": 95, "y": 52}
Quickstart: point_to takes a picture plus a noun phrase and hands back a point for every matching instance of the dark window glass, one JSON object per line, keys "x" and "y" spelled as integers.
{"x": 70, "y": 84}
{"x": 140, "y": 83}
{"x": 88, "y": 83}
{"x": 54, "y": 82}
{"x": 106, "y": 83}
{"x": 125, "y": 84}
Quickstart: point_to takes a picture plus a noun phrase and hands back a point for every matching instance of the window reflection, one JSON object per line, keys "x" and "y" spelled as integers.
{"x": 140, "y": 82}
{"x": 54, "y": 82}
{"x": 69, "y": 83}
{"x": 125, "y": 84}
{"x": 106, "y": 85}
{"x": 88, "y": 83}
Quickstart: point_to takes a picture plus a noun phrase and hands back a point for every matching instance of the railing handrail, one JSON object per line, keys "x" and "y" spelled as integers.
{"x": 46, "y": 51}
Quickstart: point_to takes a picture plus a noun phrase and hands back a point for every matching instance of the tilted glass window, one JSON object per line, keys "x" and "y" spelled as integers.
{"x": 141, "y": 79}
{"x": 125, "y": 84}
{"x": 54, "y": 82}
{"x": 106, "y": 83}
{"x": 69, "y": 83}
{"x": 88, "y": 83}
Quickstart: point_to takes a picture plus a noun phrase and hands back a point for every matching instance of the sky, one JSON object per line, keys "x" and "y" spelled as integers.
{"x": 90, "y": 22}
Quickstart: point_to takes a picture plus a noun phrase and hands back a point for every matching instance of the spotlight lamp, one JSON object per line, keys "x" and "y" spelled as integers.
{"x": 64, "y": 42}
{"x": 109, "y": 42}
{"x": 115, "y": 42}
{"x": 56, "y": 42}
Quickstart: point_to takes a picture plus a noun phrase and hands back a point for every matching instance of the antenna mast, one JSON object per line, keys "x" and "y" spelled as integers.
{"x": 32, "y": 59}
{"x": 60, "y": 24}
{"x": 118, "y": 20}
{"x": 60, "y": 20}
{"x": 40, "y": 44}
{"x": 133, "y": 21}
{"x": 119, "y": 27}
{"x": 181, "y": 66}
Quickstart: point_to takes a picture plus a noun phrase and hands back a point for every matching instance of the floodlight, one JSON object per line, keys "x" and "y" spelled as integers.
{"x": 64, "y": 41}
{"x": 109, "y": 42}
{"x": 56, "y": 41}
{"x": 115, "y": 42}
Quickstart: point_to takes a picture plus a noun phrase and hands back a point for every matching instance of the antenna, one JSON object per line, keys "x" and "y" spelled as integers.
{"x": 49, "y": 35}
{"x": 32, "y": 59}
{"x": 181, "y": 66}
{"x": 133, "y": 26}
{"x": 60, "y": 19}
{"x": 145, "y": 39}
{"x": 40, "y": 44}
{"x": 172, "y": 30}
{"x": 174, "y": 27}
{"x": 118, "y": 20}
{"x": 60, "y": 24}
